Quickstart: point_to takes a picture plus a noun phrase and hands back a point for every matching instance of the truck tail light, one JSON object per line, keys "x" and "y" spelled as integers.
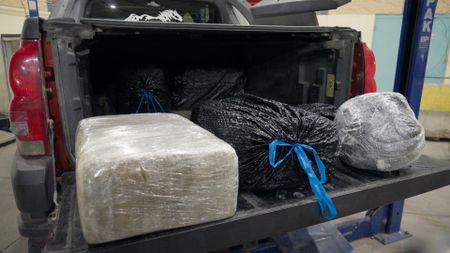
{"x": 253, "y": 2}
{"x": 27, "y": 111}
{"x": 363, "y": 70}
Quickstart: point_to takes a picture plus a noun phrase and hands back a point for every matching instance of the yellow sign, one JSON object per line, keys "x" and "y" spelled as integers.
{"x": 435, "y": 98}
{"x": 330, "y": 85}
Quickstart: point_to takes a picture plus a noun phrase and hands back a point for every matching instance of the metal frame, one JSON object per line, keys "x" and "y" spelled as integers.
{"x": 384, "y": 223}
{"x": 33, "y": 8}
{"x": 417, "y": 25}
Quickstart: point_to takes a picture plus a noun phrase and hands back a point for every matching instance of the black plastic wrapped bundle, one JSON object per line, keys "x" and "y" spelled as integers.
{"x": 195, "y": 86}
{"x": 325, "y": 110}
{"x": 251, "y": 123}
{"x": 135, "y": 83}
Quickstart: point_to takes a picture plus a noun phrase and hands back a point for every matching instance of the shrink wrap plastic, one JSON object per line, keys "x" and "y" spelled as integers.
{"x": 379, "y": 131}
{"x": 141, "y": 173}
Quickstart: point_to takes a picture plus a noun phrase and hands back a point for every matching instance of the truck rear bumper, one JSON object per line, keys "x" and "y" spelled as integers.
{"x": 33, "y": 187}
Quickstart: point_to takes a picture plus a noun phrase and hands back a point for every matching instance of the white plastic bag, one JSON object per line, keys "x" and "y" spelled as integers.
{"x": 379, "y": 131}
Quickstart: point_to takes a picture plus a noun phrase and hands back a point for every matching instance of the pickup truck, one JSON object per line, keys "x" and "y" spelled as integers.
{"x": 69, "y": 61}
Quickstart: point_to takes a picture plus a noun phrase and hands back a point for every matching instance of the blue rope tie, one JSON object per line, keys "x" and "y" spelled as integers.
{"x": 323, "y": 199}
{"x": 148, "y": 98}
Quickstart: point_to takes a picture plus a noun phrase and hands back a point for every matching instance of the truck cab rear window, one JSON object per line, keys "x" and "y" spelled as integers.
{"x": 153, "y": 11}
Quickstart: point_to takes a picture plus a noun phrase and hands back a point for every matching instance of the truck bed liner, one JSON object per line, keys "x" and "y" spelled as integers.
{"x": 259, "y": 215}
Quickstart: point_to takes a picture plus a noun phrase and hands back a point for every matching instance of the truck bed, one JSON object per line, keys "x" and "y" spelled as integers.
{"x": 259, "y": 215}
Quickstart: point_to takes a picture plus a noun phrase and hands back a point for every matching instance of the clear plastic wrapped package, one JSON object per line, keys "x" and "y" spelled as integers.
{"x": 379, "y": 131}
{"x": 142, "y": 173}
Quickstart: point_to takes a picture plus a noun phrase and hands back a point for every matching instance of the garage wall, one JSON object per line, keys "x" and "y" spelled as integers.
{"x": 383, "y": 7}
{"x": 360, "y": 22}
{"x": 19, "y": 4}
{"x": 11, "y": 20}
{"x": 386, "y": 42}
{"x": 380, "y": 23}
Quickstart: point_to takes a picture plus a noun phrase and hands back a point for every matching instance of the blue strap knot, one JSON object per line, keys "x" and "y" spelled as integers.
{"x": 323, "y": 199}
{"x": 148, "y": 98}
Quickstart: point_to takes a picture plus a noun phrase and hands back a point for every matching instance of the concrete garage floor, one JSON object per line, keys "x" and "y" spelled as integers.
{"x": 426, "y": 217}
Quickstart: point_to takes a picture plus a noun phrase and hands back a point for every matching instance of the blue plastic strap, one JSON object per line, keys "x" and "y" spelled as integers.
{"x": 140, "y": 103}
{"x": 323, "y": 199}
{"x": 153, "y": 103}
{"x": 159, "y": 105}
{"x": 148, "y": 98}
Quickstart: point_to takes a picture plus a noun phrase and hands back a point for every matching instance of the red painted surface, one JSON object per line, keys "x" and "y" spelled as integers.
{"x": 253, "y": 2}
{"x": 363, "y": 70}
{"x": 369, "y": 68}
{"x": 62, "y": 162}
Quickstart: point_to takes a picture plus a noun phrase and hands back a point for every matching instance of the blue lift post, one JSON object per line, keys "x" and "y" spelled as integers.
{"x": 413, "y": 50}
{"x": 384, "y": 223}
{"x": 33, "y": 8}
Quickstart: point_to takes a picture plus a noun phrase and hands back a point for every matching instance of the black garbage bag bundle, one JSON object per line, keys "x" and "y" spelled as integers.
{"x": 137, "y": 83}
{"x": 379, "y": 131}
{"x": 195, "y": 86}
{"x": 251, "y": 123}
{"x": 276, "y": 144}
{"x": 325, "y": 110}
